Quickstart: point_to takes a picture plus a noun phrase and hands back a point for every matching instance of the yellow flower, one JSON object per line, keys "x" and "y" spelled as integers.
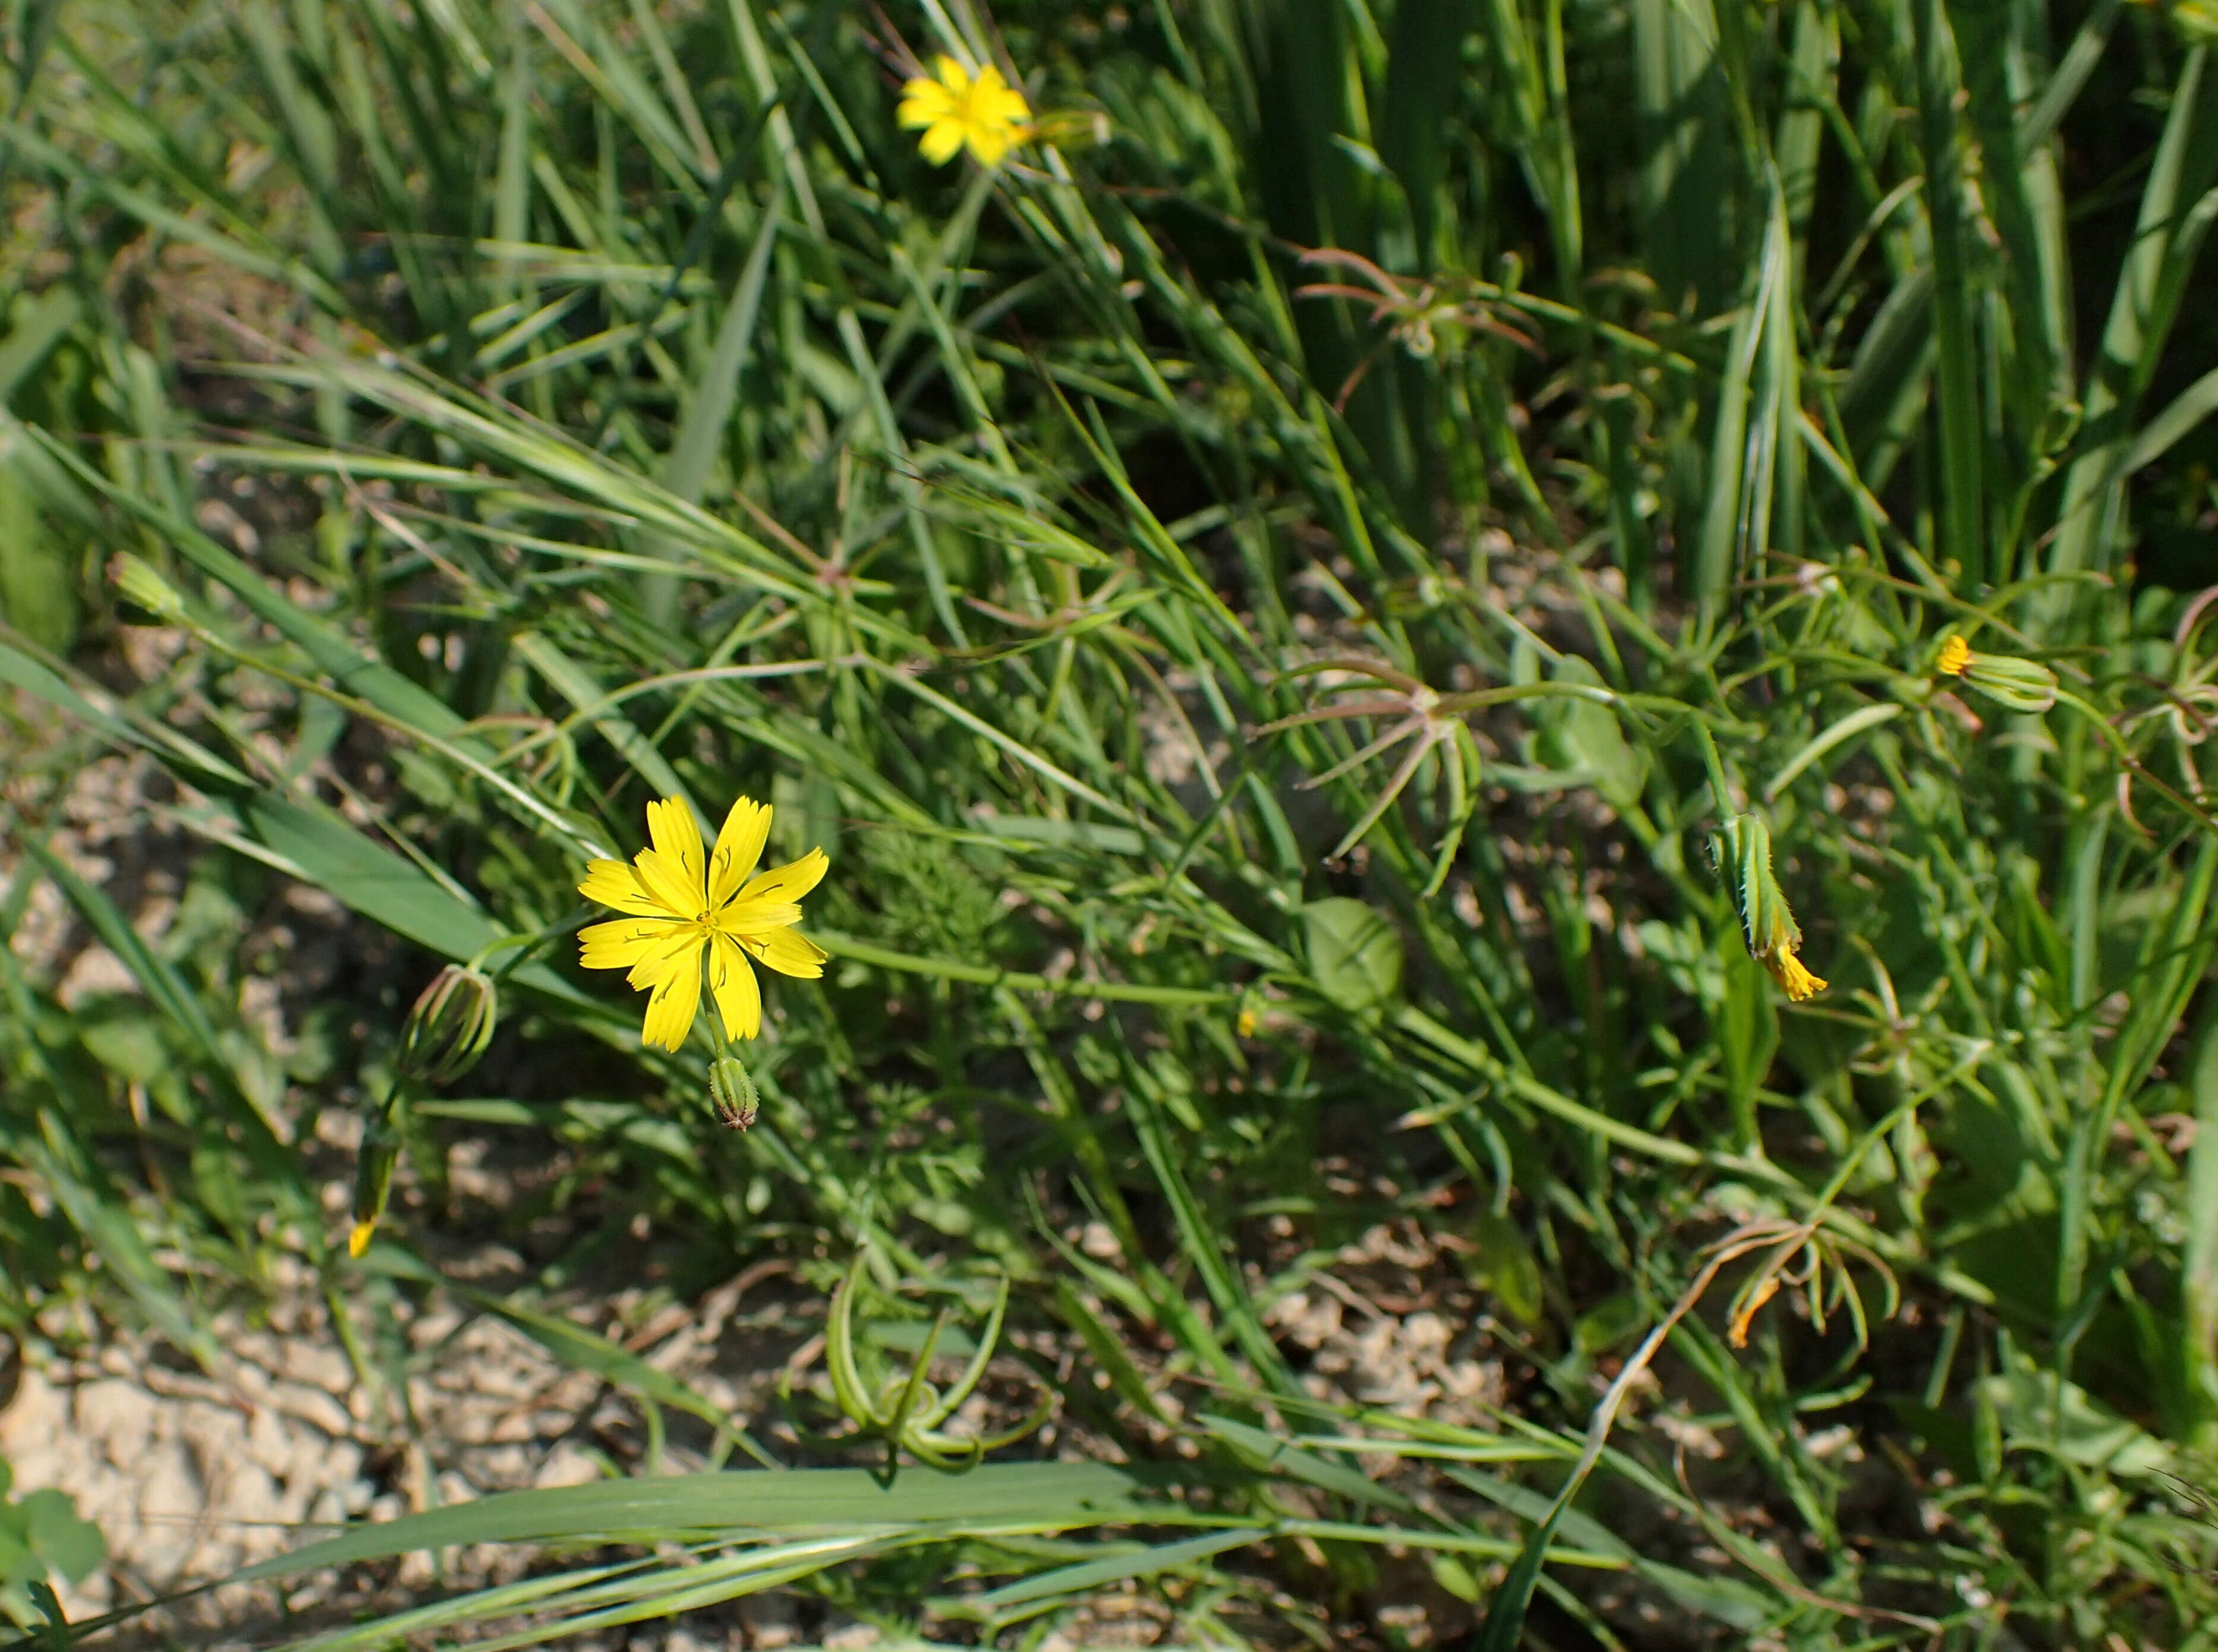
{"x": 680, "y": 906}
{"x": 986, "y": 114}
{"x": 1955, "y": 654}
{"x": 1789, "y": 971}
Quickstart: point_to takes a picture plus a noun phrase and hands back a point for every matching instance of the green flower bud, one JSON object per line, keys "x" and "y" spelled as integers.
{"x": 139, "y": 584}
{"x": 450, "y": 1027}
{"x": 732, "y": 1092}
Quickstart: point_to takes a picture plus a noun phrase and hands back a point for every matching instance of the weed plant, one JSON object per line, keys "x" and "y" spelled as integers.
{"x": 1266, "y": 596}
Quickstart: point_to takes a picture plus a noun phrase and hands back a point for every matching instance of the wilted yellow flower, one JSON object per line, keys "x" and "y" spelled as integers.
{"x": 373, "y": 1170}
{"x": 1743, "y": 855}
{"x": 680, "y": 906}
{"x": 985, "y": 114}
{"x": 1764, "y": 1291}
{"x": 1790, "y": 972}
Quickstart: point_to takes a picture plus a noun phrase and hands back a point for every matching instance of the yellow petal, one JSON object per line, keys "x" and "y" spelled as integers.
{"x": 993, "y": 99}
{"x": 732, "y": 980}
{"x": 953, "y": 75}
{"x": 790, "y": 881}
{"x": 1789, "y": 971}
{"x": 677, "y": 838}
{"x": 622, "y": 943}
{"x": 652, "y": 967}
{"x": 676, "y": 999}
{"x": 675, "y": 896}
{"x": 940, "y": 143}
{"x": 739, "y": 846}
{"x": 989, "y": 144}
{"x": 790, "y": 953}
{"x": 745, "y": 919}
{"x": 358, "y": 1237}
{"x": 613, "y": 883}
{"x": 924, "y": 103}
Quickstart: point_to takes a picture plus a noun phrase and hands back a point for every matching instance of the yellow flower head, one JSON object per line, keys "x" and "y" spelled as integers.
{"x": 681, "y": 906}
{"x": 1955, "y": 654}
{"x": 985, "y": 114}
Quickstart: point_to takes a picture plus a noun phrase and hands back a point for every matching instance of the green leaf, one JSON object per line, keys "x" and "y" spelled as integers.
{"x": 1503, "y": 1263}
{"x": 1037, "y": 1497}
{"x": 124, "y": 1036}
{"x": 1424, "y": 76}
{"x": 1355, "y": 953}
{"x": 2040, "y": 1411}
{"x": 71, "y": 1547}
{"x": 1583, "y": 736}
{"x": 1271, "y": 1454}
{"x": 1093, "y": 1574}
{"x": 38, "y": 582}
{"x": 322, "y": 849}
{"x": 1610, "y": 1323}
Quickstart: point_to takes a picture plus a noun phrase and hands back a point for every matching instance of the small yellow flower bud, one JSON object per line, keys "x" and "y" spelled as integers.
{"x": 450, "y": 1027}
{"x": 2016, "y": 684}
{"x": 358, "y": 1237}
{"x": 1247, "y": 1022}
{"x": 731, "y": 1093}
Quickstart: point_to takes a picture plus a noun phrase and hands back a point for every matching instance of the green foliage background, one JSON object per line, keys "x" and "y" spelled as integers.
{"x": 624, "y": 409}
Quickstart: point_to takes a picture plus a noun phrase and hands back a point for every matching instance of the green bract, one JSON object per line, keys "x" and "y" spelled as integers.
{"x": 2014, "y": 685}
{"x": 450, "y": 1027}
{"x": 732, "y": 1092}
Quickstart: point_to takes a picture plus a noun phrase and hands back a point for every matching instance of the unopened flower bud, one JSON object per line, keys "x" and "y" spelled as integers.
{"x": 450, "y": 1027}
{"x": 732, "y": 1092}
{"x": 2014, "y": 685}
{"x": 140, "y": 585}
